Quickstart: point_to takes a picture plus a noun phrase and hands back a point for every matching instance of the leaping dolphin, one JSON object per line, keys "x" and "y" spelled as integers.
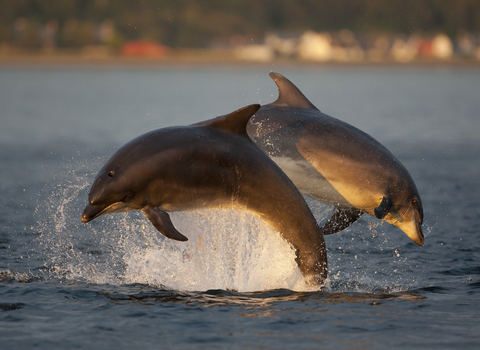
{"x": 212, "y": 164}
{"x": 336, "y": 163}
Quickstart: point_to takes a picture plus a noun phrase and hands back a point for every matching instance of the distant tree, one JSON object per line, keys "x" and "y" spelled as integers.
{"x": 196, "y": 23}
{"x": 77, "y": 34}
{"x": 26, "y": 34}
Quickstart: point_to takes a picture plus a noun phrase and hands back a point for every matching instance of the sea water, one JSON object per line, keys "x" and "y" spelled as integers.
{"x": 118, "y": 283}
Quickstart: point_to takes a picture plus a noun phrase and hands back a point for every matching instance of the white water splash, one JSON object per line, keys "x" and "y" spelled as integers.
{"x": 227, "y": 249}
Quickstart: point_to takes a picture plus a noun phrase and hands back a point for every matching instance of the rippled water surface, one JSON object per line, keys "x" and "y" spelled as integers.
{"x": 116, "y": 283}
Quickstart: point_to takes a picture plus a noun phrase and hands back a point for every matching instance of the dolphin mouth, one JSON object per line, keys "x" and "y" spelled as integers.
{"x": 93, "y": 211}
{"x": 420, "y": 238}
{"x": 413, "y": 230}
{"x": 416, "y": 235}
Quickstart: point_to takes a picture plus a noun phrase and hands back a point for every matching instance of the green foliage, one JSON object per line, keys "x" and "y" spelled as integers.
{"x": 196, "y": 23}
{"x": 77, "y": 33}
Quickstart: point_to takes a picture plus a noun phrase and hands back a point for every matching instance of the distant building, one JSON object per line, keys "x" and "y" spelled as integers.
{"x": 442, "y": 47}
{"x": 315, "y": 47}
{"x": 378, "y": 51}
{"x": 466, "y": 44}
{"x": 404, "y": 50}
{"x": 282, "y": 45}
{"x": 254, "y": 53}
{"x": 143, "y": 48}
{"x": 49, "y": 35}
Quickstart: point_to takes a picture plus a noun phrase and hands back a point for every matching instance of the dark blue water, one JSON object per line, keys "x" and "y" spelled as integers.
{"x": 116, "y": 283}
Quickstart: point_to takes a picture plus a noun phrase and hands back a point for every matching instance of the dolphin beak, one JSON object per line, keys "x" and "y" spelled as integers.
{"x": 418, "y": 237}
{"x": 92, "y": 211}
{"x": 414, "y": 231}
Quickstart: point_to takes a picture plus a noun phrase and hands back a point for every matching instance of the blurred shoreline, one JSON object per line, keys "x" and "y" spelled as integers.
{"x": 204, "y": 58}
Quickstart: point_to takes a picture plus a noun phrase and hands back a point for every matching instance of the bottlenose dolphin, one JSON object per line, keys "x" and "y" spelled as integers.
{"x": 212, "y": 164}
{"x": 336, "y": 163}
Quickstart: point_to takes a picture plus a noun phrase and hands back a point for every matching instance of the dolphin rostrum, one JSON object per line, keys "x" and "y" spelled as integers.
{"x": 336, "y": 163}
{"x": 212, "y": 164}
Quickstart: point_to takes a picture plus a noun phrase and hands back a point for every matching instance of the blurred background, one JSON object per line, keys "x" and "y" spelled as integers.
{"x": 247, "y": 30}
{"x": 80, "y": 78}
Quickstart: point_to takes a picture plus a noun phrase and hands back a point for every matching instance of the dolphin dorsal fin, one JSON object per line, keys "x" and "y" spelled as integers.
{"x": 288, "y": 94}
{"x": 235, "y": 122}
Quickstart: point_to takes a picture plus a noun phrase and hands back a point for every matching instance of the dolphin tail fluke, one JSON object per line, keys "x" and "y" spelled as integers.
{"x": 340, "y": 220}
{"x": 162, "y": 222}
{"x": 288, "y": 94}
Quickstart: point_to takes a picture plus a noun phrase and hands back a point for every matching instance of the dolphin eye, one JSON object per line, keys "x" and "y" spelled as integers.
{"x": 111, "y": 173}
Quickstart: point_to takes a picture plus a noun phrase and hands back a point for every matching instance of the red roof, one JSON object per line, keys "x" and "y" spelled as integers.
{"x": 143, "y": 48}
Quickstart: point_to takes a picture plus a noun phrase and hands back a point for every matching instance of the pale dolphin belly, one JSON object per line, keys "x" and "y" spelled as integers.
{"x": 310, "y": 182}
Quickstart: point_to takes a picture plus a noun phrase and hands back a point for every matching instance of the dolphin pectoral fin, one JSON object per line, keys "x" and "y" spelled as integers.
{"x": 384, "y": 208}
{"x": 162, "y": 222}
{"x": 340, "y": 220}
